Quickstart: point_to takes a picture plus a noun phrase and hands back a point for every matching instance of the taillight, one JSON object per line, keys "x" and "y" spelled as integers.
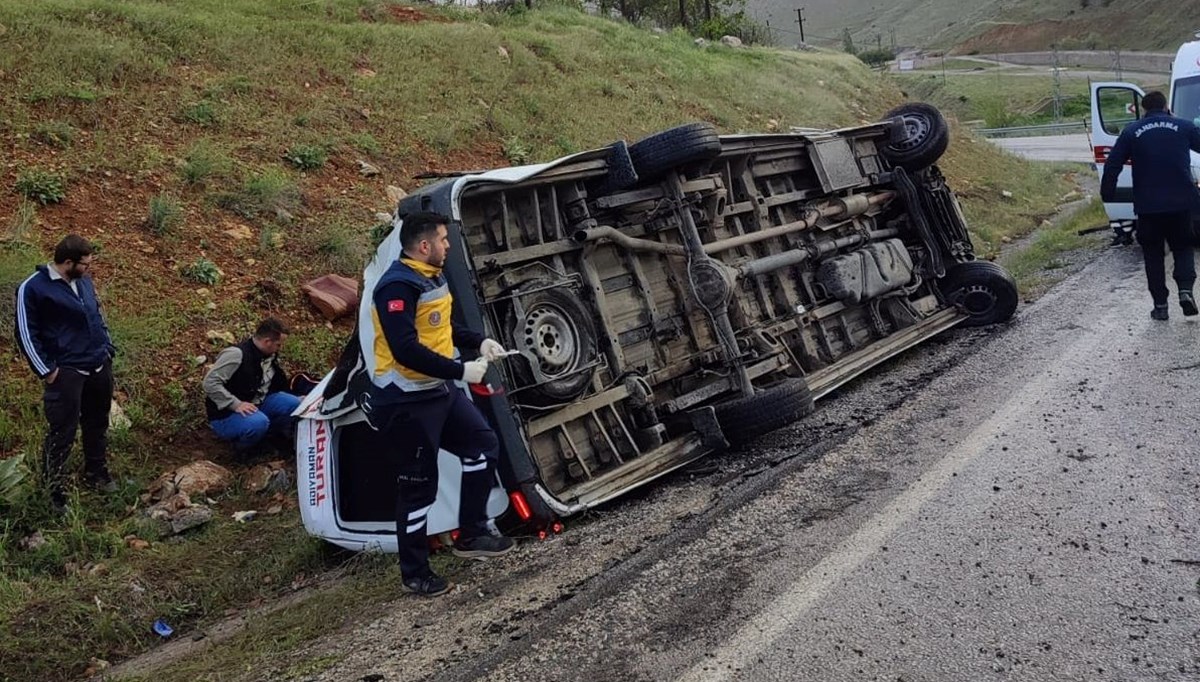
{"x": 1101, "y": 153}
{"x": 521, "y": 505}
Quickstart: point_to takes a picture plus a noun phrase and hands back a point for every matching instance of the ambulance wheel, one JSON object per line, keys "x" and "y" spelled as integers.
{"x": 923, "y": 139}
{"x": 656, "y": 154}
{"x": 982, "y": 289}
{"x": 557, "y": 340}
{"x": 746, "y": 418}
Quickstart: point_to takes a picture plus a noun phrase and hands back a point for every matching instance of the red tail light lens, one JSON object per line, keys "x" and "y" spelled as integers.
{"x": 520, "y": 505}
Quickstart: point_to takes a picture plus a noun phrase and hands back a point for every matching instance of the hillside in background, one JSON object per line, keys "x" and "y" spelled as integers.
{"x": 223, "y": 152}
{"x": 988, "y": 25}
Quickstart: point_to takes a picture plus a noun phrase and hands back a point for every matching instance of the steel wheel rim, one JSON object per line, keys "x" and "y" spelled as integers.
{"x": 553, "y": 338}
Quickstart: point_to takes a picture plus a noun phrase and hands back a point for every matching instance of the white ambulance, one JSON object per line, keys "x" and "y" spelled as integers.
{"x": 1115, "y": 105}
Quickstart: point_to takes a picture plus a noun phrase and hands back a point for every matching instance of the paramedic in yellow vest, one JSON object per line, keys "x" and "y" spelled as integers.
{"x": 415, "y": 404}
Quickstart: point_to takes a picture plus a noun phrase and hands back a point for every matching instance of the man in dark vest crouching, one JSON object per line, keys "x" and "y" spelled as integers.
{"x": 245, "y": 392}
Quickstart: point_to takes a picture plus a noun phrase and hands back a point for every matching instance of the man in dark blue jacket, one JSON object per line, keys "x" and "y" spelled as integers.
{"x": 1164, "y": 196}
{"x": 63, "y": 336}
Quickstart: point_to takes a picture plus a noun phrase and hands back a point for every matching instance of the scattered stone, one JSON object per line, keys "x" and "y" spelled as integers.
{"x": 274, "y": 509}
{"x": 772, "y": 124}
{"x": 1046, "y": 224}
{"x": 383, "y": 218}
{"x": 33, "y": 541}
{"x": 284, "y": 216}
{"x": 96, "y": 666}
{"x": 250, "y": 261}
{"x": 197, "y": 360}
{"x": 394, "y": 195}
{"x": 210, "y": 306}
{"x": 223, "y": 337}
{"x": 117, "y": 418}
{"x": 367, "y": 170}
{"x": 658, "y": 30}
{"x": 731, "y": 41}
{"x": 271, "y": 477}
{"x": 239, "y": 232}
{"x": 1006, "y": 194}
{"x": 197, "y": 478}
{"x": 137, "y": 544}
{"x": 244, "y": 516}
{"x": 191, "y": 517}
{"x": 700, "y": 42}
{"x": 365, "y": 72}
{"x": 502, "y": 52}
{"x": 202, "y": 291}
{"x": 96, "y": 569}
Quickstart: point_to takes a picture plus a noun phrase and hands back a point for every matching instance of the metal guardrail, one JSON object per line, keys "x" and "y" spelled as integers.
{"x": 1027, "y": 131}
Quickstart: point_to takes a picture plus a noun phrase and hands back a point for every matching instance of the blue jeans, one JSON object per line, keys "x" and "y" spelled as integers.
{"x": 274, "y": 415}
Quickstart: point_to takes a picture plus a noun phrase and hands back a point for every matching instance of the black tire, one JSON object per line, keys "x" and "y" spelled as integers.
{"x": 653, "y": 156}
{"x": 744, "y": 419}
{"x": 984, "y": 290}
{"x": 926, "y": 137}
{"x": 558, "y": 330}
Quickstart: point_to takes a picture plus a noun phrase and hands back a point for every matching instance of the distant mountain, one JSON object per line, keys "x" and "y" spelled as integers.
{"x": 986, "y": 25}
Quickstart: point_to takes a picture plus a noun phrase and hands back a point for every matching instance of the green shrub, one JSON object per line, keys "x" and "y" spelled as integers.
{"x": 268, "y": 192}
{"x": 516, "y": 151}
{"x": 270, "y": 238}
{"x": 366, "y": 142}
{"x": 54, "y": 134}
{"x": 306, "y": 156}
{"x": 165, "y": 214}
{"x": 343, "y": 249}
{"x": 24, "y": 219}
{"x": 202, "y": 162}
{"x": 13, "y": 483}
{"x": 876, "y": 57}
{"x": 203, "y": 271}
{"x": 202, "y": 113}
{"x": 41, "y": 186}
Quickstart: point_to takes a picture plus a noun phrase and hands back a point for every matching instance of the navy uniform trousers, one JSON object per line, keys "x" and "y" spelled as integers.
{"x": 415, "y": 432}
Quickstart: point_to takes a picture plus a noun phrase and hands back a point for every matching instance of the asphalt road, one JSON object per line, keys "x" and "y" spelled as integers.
{"x": 1075, "y": 148}
{"x": 1017, "y": 503}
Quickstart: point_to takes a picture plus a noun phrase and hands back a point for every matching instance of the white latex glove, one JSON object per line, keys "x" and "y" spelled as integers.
{"x": 474, "y": 370}
{"x": 491, "y": 350}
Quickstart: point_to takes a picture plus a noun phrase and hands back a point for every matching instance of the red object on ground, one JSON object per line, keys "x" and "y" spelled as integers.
{"x": 333, "y": 295}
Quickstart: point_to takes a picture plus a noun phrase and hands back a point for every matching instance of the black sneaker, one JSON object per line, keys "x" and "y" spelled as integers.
{"x": 430, "y": 585}
{"x": 482, "y": 546}
{"x": 101, "y": 481}
{"x": 1188, "y": 303}
{"x": 1160, "y": 312}
{"x": 58, "y": 502}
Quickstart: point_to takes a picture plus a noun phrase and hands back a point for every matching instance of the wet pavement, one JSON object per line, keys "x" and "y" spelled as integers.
{"x": 1015, "y": 503}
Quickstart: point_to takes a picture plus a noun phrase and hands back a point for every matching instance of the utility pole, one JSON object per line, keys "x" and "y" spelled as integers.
{"x": 1057, "y": 86}
{"x": 878, "y": 41}
{"x": 893, "y": 40}
{"x": 800, "y": 20}
{"x": 943, "y": 68}
{"x": 1117, "y": 62}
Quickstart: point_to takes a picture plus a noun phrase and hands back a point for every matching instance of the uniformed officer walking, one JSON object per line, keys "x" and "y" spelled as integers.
{"x": 409, "y": 356}
{"x": 1164, "y": 196}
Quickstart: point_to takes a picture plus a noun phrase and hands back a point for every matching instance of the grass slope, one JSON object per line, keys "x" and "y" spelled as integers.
{"x": 996, "y": 25}
{"x": 212, "y": 149}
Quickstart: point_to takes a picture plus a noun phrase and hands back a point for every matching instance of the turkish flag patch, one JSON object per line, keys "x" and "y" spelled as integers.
{"x": 396, "y": 306}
